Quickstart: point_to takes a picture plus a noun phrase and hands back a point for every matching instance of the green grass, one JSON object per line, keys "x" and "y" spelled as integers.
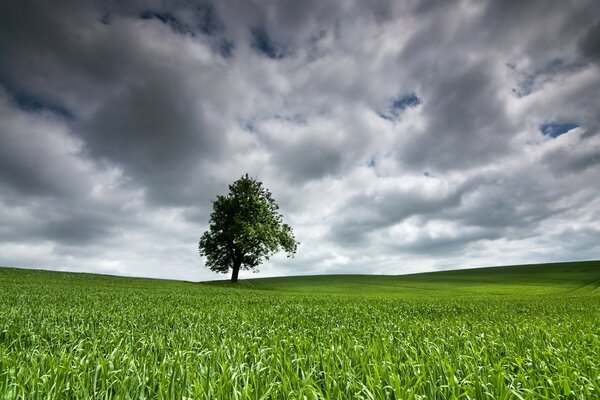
{"x": 533, "y": 279}
{"x": 499, "y": 333}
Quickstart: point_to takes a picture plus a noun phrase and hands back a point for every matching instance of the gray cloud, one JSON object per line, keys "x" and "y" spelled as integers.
{"x": 397, "y": 137}
{"x": 365, "y": 213}
{"x": 573, "y": 161}
{"x": 467, "y": 115}
{"x": 590, "y": 42}
{"x": 157, "y": 132}
{"x": 36, "y": 154}
{"x": 445, "y": 245}
{"x": 309, "y": 160}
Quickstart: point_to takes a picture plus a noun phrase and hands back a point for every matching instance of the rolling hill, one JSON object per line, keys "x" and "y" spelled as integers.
{"x": 507, "y": 332}
{"x": 572, "y": 277}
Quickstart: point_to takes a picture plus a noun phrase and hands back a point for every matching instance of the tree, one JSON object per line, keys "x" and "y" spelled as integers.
{"x": 245, "y": 228}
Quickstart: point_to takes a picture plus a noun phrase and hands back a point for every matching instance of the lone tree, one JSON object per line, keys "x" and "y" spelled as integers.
{"x": 245, "y": 229}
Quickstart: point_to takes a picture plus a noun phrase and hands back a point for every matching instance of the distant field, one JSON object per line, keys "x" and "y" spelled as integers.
{"x": 498, "y": 333}
{"x": 571, "y": 278}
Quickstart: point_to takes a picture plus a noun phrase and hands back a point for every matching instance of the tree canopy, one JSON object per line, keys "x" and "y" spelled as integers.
{"x": 245, "y": 228}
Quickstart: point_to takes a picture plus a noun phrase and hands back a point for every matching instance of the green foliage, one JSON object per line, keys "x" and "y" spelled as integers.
{"x": 245, "y": 229}
{"x": 78, "y": 336}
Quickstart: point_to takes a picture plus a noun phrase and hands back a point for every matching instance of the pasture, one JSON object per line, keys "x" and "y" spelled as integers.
{"x": 495, "y": 333}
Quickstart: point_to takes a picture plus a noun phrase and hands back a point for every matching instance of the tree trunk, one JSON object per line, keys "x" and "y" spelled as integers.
{"x": 236, "y": 271}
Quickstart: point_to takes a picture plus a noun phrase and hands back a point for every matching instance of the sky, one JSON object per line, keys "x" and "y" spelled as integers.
{"x": 396, "y": 136}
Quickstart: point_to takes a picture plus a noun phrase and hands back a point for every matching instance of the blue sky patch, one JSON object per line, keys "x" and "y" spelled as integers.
{"x": 225, "y": 47}
{"x": 407, "y": 101}
{"x": 400, "y": 104}
{"x": 555, "y": 129}
{"x": 262, "y": 42}
{"x": 208, "y": 20}
{"x": 29, "y": 103}
{"x": 168, "y": 19}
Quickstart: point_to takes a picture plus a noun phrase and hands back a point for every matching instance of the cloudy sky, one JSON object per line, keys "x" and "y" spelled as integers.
{"x": 397, "y": 136}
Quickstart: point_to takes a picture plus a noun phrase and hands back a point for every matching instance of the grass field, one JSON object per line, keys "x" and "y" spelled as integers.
{"x": 496, "y": 333}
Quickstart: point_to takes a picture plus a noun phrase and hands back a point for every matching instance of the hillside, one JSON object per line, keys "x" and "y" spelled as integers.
{"x": 509, "y": 332}
{"x": 572, "y": 277}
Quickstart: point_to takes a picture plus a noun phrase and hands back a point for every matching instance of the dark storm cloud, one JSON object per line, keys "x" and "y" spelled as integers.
{"x": 590, "y": 42}
{"x": 29, "y": 160}
{"x": 60, "y": 53}
{"x": 138, "y": 108}
{"x": 433, "y": 130}
{"x": 156, "y": 131}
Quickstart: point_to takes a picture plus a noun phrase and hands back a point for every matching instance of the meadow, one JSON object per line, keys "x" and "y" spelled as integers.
{"x": 524, "y": 332}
